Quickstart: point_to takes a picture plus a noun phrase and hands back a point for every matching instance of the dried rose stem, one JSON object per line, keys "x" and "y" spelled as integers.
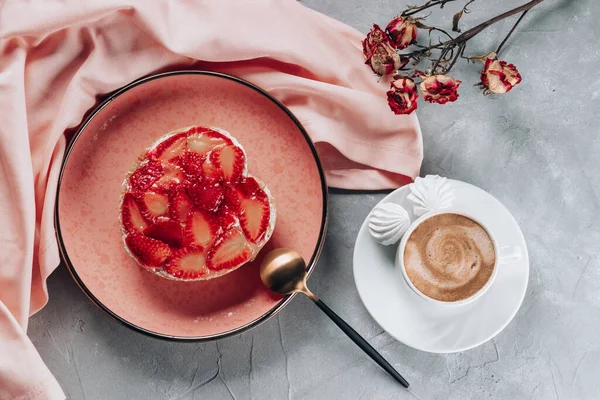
{"x": 474, "y": 31}
{"x": 511, "y": 31}
{"x": 462, "y": 38}
{"x": 459, "y": 52}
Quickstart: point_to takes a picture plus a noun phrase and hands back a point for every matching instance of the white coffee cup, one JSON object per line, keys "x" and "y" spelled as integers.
{"x": 503, "y": 254}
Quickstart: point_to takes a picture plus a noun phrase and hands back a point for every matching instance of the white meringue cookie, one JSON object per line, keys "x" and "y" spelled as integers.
{"x": 429, "y": 194}
{"x": 388, "y": 222}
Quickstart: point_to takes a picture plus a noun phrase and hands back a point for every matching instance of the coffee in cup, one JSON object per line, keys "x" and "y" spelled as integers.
{"x": 449, "y": 257}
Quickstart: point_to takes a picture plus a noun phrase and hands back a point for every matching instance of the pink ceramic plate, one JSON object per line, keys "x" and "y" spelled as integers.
{"x": 106, "y": 146}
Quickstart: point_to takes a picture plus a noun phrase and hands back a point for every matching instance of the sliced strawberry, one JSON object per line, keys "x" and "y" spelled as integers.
{"x": 197, "y": 129}
{"x": 207, "y": 197}
{"x": 188, "y": 263}
{"x": 230, "y": 251}
{"x": 226, "y": 217}
{"x": 146, "y": 175}
{"x": 206, "y": 141}
{"x": 191, "y": 163}
{"x": 231, "y": 198}
{"x": 131, "y": 216}
{"x": 170, "y": 148}
{"x": 202, "y": 228}
{"x": 231, "y": 160}
{"x": 211, "y": 172}
{"x": 216, "y": 135}
{"x": 254, "y": 217}
{"x": 180, "y": 206}
{"x": 150, "y": 252}
{"x": 167, "y": 231}
{"x": 249, "y": 187}
{"x": 154, "y": 204}
{"x": 172, "y": 176}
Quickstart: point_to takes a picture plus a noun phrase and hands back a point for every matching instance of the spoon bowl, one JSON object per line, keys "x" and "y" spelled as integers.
{"x": 283, "y": 271}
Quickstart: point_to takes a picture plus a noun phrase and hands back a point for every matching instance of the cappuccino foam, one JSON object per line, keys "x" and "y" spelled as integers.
{"x": 449, "y": 257}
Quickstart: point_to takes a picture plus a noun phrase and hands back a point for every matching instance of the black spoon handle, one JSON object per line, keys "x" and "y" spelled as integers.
{"x": 362, "y": 343}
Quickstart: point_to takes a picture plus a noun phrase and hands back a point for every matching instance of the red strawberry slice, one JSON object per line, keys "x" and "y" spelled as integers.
{"x": 131, "y": 216}
{"x": 231, "y": 198}
{"x": 211, "y": 172}
{"x": 230, "y": 251}
{"x": 154, "y": 204}
{"x": 254, "y": 217}
{"x": 249, "y": 187}
{"x": 180, "y": 206}
{"x": 188, "y": 263}
{"x": 146, "y": 175}
{"x": 170, "y": 147}
{"x": 202, "y": 229}
{"x": 167, "y": 231}
{"x": 197, "y": 129}
{"x": 172, "y": 176}
{"x": 207, "y": 197}
{"x": 231, "y": 160}
{"x": 150, "y": 252}
{"x": 191, "y": 163}
{"x": 206, "y": 141}
{"x": 226, "y": 217}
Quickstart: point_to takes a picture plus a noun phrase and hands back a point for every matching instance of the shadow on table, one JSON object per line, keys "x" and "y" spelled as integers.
{"x": 96, "y": 344}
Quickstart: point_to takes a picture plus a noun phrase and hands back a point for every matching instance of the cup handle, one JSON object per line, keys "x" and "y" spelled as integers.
{"x": 509, "y": 254}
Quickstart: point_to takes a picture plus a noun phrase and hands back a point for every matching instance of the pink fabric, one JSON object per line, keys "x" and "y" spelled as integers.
{"x": 55, "y": 57}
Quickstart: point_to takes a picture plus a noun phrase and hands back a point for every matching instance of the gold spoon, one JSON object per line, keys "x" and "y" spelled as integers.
{"x": 283, "y": 271}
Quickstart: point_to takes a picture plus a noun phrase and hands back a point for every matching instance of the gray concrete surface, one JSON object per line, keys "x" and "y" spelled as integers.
{"x": 537, "y": 149}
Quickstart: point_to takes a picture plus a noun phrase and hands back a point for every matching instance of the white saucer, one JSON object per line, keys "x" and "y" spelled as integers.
{"x": 424, "y": 326}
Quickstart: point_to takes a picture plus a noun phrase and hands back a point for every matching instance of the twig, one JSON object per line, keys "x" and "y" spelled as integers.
{"x": 437, "y": 62}
{"x": 431, "y": 28}
{"x": 461, "y": 48}
{"x": 440, "y": 30}
{"x": 511, "y": 31}
{"x": 451, "y": 55}
{"x": 431, "y": 3}
{"x": 426, "y": 49}
{"x": 462, "y": 53}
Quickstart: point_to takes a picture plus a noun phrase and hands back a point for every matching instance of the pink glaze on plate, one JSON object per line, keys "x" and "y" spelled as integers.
{"x": 90, "y": 189}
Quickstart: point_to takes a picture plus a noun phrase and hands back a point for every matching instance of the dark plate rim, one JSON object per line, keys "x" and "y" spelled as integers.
{"x": 65, "y": 257}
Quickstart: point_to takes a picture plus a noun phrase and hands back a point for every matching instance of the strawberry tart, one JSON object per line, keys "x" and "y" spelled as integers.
{"x": 190, "y": 210}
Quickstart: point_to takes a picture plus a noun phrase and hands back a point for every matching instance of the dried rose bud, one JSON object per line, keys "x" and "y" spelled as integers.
{"x": 440, "y": 89}
{"x": 498, "y": 76}
{"x": 402, "y": 31}
{"x": 402, "y": 96}
{"x": 374, "y": 37}
{"x": 384, "y": 59}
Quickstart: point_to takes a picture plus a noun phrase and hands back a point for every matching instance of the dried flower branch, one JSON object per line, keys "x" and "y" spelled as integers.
{"x": 381, "y": 47}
